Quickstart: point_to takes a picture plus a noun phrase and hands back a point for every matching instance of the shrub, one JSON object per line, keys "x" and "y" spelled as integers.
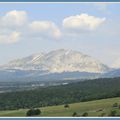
{"x": 113, "y": 113}
{"x": 85, "y": 114}
{"x": 37, "y": 111}
{"x": 30, "y": 112}
{"x": 66, "y": 106}
{"x": 115, "y": 105}
{"x": 33, "y": 112}
{"x": 74, "y": 114}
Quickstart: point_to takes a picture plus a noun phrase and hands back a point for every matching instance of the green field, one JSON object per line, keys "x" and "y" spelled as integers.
{"x": 93, "y": 108}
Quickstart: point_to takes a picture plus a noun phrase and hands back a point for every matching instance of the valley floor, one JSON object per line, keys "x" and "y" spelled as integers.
{"x": 93, "y": 108}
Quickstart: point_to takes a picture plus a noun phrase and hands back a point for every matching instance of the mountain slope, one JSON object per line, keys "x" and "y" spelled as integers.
{"x": 111, "y": 74}
{"x": 58, "y": 61}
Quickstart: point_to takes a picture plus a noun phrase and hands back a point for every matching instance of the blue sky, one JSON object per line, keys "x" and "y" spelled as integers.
{"x": 33, "y": 28}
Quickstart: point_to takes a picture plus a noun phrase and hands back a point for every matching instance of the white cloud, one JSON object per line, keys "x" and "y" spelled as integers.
{"x": 11, "y": 26}
{"x": 15, "y": 25}
{"x": 45, "y": 28}
{"x": 18, "y": 21}
{"x": 14, "y": 19}
{"x": 10, "y": 38}
{"x": 82, "y": 23}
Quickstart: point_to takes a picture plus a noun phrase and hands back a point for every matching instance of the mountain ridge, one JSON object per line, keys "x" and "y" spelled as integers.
{"x": 58, "y": 61}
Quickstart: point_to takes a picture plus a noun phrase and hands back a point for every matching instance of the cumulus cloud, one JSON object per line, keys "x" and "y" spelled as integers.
{"x": 10, "y": 26}
{"x": 10, "y": 38}
{"x": 44, "y": 28}
{"x": 14, "y": 19}
{"x": 82, "y": 23}
{"x": 15, "y": 25}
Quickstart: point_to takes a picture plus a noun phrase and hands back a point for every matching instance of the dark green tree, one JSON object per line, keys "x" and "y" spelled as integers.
{"x": 115, "y": 105}
{"x": 33, "y": 112}
{"x": 113, "y": 113}
{"x": 30, "y": 112}
{"x": 74, "y": 114}
{"x": 37, "y": 111}
{"x": 85, "y": 114}
{"x": 66, "y": 106}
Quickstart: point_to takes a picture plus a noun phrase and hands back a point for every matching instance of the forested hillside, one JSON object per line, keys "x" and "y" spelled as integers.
{"x": 55, "y": 95}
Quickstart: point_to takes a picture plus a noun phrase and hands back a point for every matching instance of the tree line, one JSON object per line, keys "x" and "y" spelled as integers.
{"x": 64, "y": 94}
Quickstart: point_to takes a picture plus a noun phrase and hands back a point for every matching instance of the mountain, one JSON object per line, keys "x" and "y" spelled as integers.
{"x": 111, "y": 74}
{"x": 55, "y": 65}
{"x": 58, "y": 61}
{"x": 114, "y": 72}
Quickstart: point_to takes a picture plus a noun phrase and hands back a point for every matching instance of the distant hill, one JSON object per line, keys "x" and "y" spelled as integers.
{"x": 111, "y": 74}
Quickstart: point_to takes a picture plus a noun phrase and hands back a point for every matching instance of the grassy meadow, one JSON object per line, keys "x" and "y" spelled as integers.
{"x": 93, "y": 108}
